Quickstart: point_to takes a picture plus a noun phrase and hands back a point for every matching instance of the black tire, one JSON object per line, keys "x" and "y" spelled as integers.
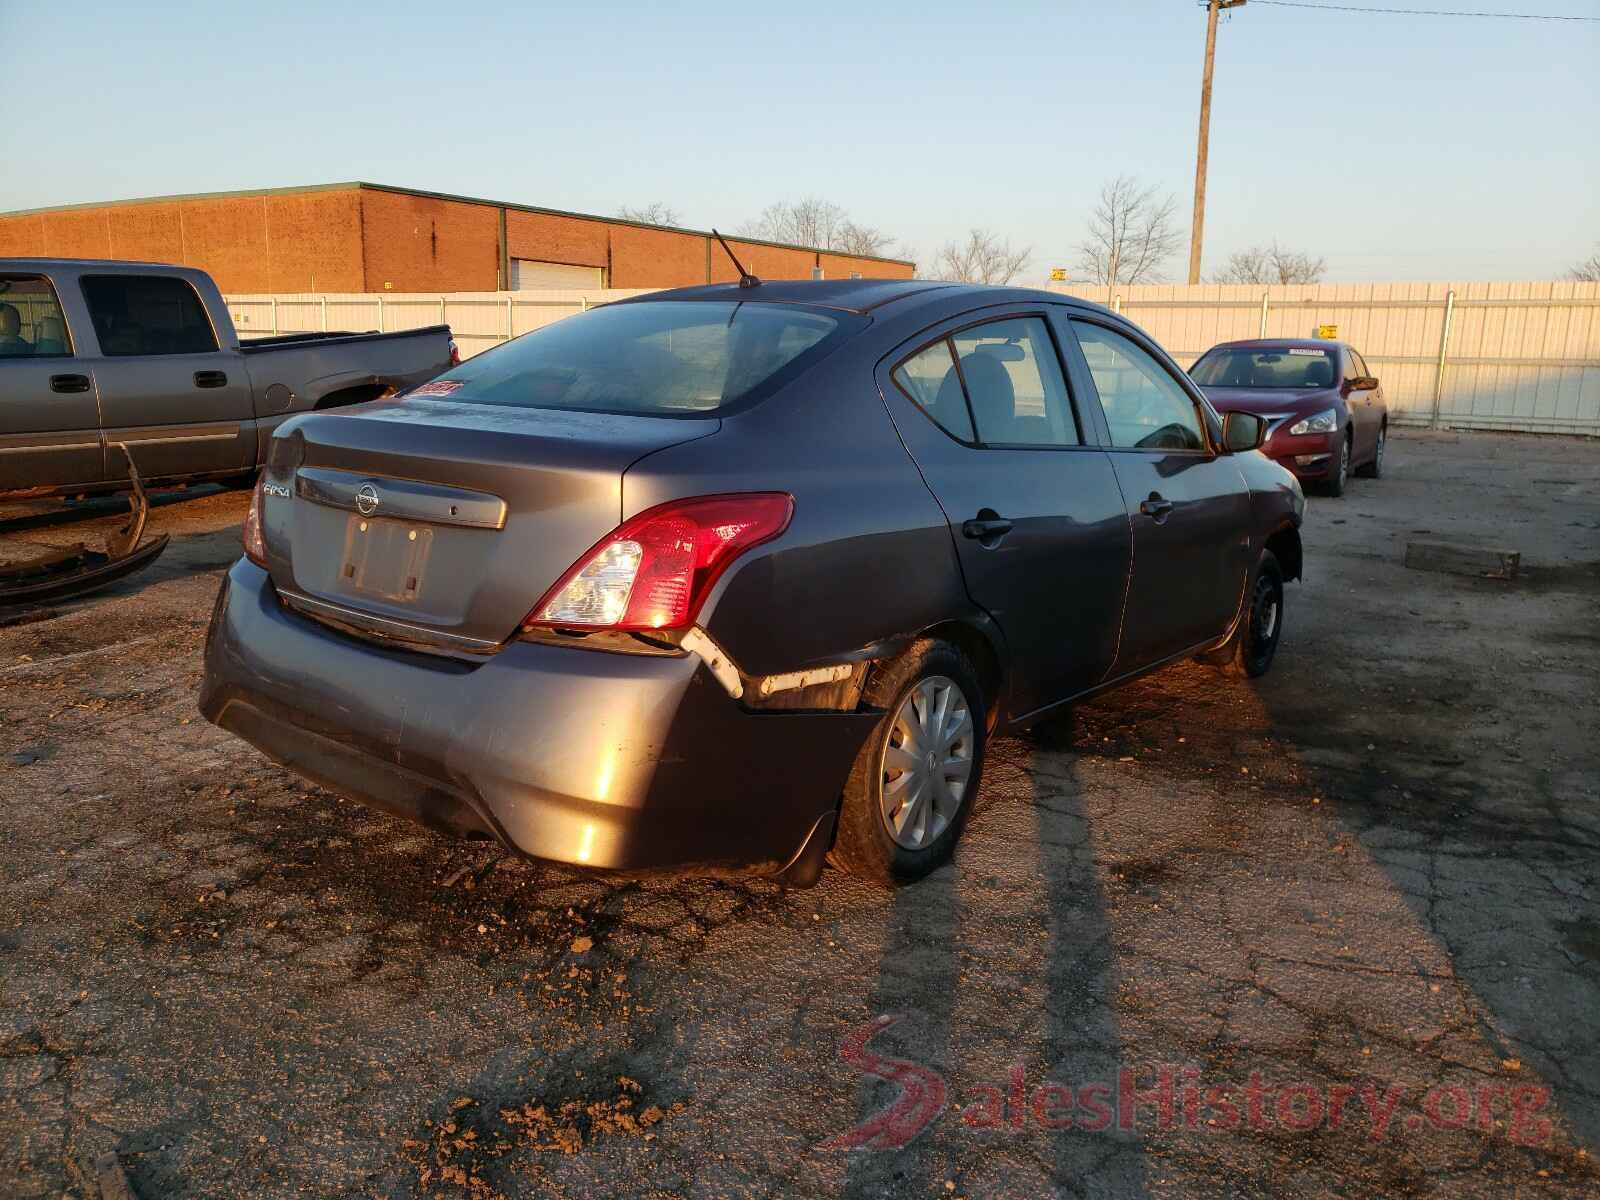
{"x": 1374, "y": 469}
{"x": 865, "y": 845}
{"x": 1249, "y": 652}
{"x": 1341, "y": 468}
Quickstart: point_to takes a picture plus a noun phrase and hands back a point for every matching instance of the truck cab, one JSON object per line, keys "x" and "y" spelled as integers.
{"x": 100, "y": 356}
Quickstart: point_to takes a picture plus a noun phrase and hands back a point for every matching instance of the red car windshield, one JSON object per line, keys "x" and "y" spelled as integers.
{"x": 1299, "y": 367}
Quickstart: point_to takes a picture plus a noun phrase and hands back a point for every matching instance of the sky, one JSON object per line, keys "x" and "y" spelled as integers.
{"x": 1396, "y": 147}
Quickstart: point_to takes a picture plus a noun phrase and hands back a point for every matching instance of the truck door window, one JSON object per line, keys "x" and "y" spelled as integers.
{"x": 147, "y": 314}
{"x": 31, "y": 324}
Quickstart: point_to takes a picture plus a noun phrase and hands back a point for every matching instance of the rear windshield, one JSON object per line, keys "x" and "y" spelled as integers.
{"x": 1299, "y": 367}
{"x": 656, "y": 358}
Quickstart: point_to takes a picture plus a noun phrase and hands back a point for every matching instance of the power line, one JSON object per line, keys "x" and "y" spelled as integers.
{"x": 1425, "y": 12}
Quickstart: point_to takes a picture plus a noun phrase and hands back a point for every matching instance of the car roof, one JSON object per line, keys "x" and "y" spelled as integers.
{"x": 858, "y": 295}
{"x": 1307, "y": 343}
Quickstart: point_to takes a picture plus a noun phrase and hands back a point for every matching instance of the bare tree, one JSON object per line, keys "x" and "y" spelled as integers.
{"x": 816, "y": 223}
{"x": 1588, "y": 271}
{"x": 1132, "y": 232}
{"x": 808, "y": 222}
{"x": 861, "y": 239}
{"x": 657, "y": 212}
{"x": 1271, "y": 264}
{"x": 981, "y": 258}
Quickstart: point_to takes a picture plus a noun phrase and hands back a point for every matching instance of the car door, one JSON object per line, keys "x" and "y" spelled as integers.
{"x": 1039, "y": 525}
{"x": 1370, "y": 405}
{"x": 49, "y": 413}
{"x": 168, "y": 390}
{"x": 1188, "y": 504}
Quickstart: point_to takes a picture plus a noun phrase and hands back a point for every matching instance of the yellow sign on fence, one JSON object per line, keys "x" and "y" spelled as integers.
{"x": 1058, "y": 274}
{"x": 1327, "y": 331}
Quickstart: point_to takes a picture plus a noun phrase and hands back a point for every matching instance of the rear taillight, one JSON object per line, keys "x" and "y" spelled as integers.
{"x": 654, "y": 571}
{"x": 255, "y": 548}
{"x": 455, "y": 353}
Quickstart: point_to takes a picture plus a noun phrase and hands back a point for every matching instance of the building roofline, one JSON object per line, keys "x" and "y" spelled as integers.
{"x": 357, "y": 184}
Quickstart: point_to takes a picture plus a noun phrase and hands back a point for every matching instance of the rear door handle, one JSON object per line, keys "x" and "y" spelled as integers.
{"x": 985, "y": 527}
{"x": 1156, "y": 507}
{"x": 210, "y": 379}
{"x": 69, "y": 383}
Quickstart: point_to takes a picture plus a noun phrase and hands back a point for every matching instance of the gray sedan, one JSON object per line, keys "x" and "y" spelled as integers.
{"x": 740, "y": 578}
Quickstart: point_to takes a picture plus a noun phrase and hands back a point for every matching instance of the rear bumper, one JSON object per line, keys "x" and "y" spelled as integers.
{"x": 582, "y": 756}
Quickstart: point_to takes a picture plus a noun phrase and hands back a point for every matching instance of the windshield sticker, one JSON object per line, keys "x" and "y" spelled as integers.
{"x": 1310, "y": 353}
{"x": 439, "y": 387}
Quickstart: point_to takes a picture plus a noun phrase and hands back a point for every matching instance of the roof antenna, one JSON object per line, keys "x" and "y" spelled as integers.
{"x": 746, "y": 280}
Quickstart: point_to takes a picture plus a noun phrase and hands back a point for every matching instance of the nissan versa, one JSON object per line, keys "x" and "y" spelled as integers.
{"x": 742, "y": 577}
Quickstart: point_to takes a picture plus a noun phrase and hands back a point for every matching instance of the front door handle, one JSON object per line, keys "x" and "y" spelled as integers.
{"x": 210, "y": 379}
{"x": 984, "y": 528}
{"x": 69, "y": 383}
{"x": 1157, "y": 508}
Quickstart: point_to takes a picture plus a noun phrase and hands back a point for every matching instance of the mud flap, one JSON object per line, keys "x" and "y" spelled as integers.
{"x": 61, "y": 574}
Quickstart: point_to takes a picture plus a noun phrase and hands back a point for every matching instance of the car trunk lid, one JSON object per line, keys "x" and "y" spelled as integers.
{"x": 440, "y": 524}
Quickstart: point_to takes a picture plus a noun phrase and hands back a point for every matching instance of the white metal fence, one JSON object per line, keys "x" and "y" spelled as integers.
{"x": 478, "y": 320}
{"x": 1519, "y": 356}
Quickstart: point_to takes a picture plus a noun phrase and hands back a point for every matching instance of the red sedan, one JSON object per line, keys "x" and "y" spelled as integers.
{"x": 1324, "y": 409}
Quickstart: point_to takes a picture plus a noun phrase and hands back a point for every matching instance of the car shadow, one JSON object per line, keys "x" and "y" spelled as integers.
{"x": 1016, "y": 996}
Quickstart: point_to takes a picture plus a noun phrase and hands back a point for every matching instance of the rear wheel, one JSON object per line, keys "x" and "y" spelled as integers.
{"x": 1374, "y": 469}
{"x": 1341, "y": 467}
{"x": 915, "y": 779}
{"x": 1250, "y": 650}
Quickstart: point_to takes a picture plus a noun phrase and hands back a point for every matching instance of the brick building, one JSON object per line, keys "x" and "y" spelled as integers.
{"x": 365, "y": 237}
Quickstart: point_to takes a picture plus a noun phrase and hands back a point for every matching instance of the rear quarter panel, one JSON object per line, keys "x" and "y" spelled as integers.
{"x": 868, "y": 555}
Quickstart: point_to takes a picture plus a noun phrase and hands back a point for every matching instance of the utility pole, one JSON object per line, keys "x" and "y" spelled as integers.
{"x": 1197, "y": 228}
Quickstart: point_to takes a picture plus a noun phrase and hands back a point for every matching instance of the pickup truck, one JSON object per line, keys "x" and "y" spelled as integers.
{"x": 94, "y": 353}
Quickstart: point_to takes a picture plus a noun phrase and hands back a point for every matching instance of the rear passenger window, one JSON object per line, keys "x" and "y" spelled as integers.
{"x": 147, "y": 314}
{"x": 929, "y": 378}
{"x": 31, "y": 325}
{"x": 1014, "y": 383}
{"x": 1145, "y": 407}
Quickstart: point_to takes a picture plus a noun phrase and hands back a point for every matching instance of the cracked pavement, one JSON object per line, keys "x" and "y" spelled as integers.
{"x": 1378, "y": 866}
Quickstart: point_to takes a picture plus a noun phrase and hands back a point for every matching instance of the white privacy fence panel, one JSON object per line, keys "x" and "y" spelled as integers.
{"x": 478, "y": 320}
{"x": 1519, "y": 356}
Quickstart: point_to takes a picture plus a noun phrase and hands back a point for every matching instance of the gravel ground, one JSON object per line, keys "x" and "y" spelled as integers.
{"x": 1372, "y": 874}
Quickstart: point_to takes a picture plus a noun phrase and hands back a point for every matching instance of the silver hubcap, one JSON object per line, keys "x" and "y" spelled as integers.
{"x": 1269, "y": 620}
{"x": 1382, "y": 438}
{"x": 927, "y": 763}
{"x": 1344, "y": 460}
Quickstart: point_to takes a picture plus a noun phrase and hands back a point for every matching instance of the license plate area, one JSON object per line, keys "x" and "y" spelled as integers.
{"x": 384, "y": 558}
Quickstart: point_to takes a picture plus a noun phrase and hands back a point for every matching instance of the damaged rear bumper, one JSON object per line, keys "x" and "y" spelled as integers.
{"x": 591, "y": 757}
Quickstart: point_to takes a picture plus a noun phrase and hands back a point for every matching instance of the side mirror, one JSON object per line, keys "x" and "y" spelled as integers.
{"x": 1363, "y": 383}
{"x": 1242, "y": 431}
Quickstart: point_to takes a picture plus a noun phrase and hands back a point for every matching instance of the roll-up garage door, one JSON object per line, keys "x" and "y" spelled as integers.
{"x": 530, "y": 275}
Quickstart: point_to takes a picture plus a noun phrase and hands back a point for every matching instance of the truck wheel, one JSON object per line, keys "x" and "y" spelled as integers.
{"x": 1249, "y": 652}
{"x": 917, "y": 776}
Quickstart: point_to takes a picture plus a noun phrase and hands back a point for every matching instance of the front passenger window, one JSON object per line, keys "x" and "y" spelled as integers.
{"x": 1145, "y": 407}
